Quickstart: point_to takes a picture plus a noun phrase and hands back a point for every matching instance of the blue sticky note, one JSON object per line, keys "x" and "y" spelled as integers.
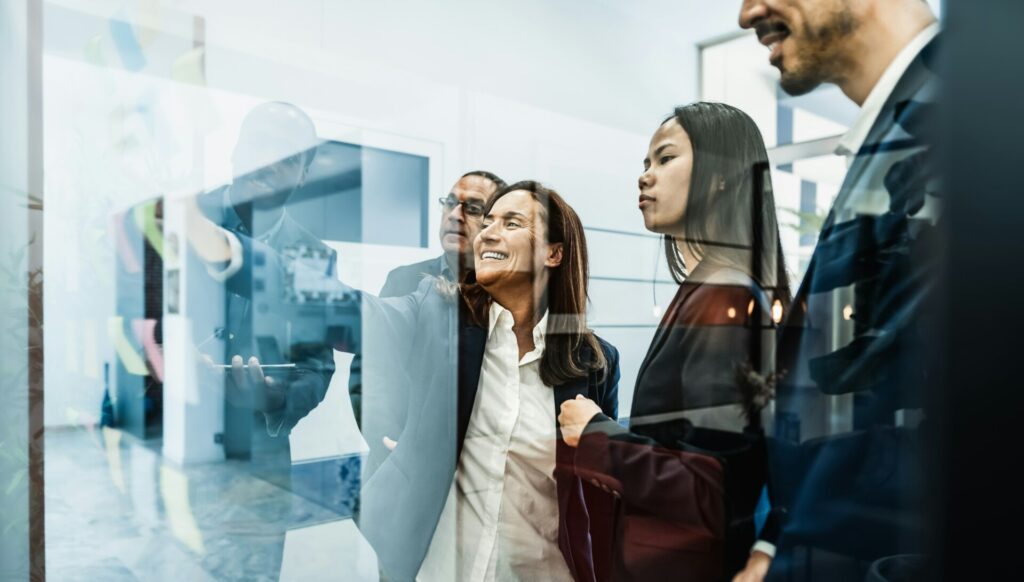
{"x": 127, "y": 44}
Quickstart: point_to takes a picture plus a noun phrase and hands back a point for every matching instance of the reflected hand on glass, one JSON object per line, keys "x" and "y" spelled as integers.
{"x": 250, "y": 385}
{"x": 573, "y": 418}
{"x": 756, "y": 568}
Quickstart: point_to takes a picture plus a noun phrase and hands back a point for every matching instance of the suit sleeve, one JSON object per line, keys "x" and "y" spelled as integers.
{"x": 395, "y": 285}
{"x": 391, "y": 285}
{"x": 684, "y": 487}
{"x": 314, "y": 368}
{"x": 314, "y": 363}
{"x": 389, "y": 328}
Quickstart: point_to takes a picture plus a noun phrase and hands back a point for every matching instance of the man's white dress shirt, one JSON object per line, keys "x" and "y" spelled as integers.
{"x": 501, "y": 520}
{"x": 854, "y": 138}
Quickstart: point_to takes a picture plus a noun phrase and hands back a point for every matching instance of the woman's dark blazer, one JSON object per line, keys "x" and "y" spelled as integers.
{"x": 687, "y": 491}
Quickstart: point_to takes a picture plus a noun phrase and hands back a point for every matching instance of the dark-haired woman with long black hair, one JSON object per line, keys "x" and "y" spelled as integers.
{"x": 690, "y": 468}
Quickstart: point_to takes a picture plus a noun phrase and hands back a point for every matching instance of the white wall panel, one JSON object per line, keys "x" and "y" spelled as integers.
{"x": 619, "y": 255}
{"x": 626, "y": 302}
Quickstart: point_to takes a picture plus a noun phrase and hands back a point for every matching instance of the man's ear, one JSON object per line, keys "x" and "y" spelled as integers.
{"x": 554, "y": 257}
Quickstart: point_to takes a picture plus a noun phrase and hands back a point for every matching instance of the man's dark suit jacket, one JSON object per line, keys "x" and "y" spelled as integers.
{"x": 847, "y": 494}
{"x": 406, "y": 279}
{"x": 403, "y": 500}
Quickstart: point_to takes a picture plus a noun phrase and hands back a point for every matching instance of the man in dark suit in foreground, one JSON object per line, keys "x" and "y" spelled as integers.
{"x": 846, "y": 460}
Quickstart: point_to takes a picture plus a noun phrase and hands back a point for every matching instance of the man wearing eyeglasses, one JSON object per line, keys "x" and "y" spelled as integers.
{"x": 461, "y": 214}
{"x": 462, "y": 210}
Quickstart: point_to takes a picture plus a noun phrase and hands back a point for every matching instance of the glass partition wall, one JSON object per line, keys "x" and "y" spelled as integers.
{"x": 253, "y": 232}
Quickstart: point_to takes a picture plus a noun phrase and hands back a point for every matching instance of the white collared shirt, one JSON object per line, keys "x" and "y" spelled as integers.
{"x": 505, "y": 496}
{"x": 853, "y": 139}
{"x": 869, "y": 194}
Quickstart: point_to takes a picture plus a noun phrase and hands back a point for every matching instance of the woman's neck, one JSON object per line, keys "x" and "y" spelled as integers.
{"x": 690, "y": 260}
{"x": 526, "y": 310}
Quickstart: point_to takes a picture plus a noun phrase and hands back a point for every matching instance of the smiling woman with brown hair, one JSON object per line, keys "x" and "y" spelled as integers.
{"x": 518, "y": 512}
{"x": 559, "y": 282}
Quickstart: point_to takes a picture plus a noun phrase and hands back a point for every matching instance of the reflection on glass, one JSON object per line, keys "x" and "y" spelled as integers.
{"x": 294, "y": 331}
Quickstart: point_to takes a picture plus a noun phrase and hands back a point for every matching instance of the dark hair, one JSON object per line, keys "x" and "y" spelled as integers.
{"x": 730, "y": 211}
{"x": 498, "y": 182}
{"x": 567, "y": 330}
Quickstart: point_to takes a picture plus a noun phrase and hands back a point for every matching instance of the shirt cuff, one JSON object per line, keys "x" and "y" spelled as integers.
{"x": 234, "y": 263}
{"x": 275, "y": 422}
{"x": 764, "y": 547}
{"x": 601, "y": 423}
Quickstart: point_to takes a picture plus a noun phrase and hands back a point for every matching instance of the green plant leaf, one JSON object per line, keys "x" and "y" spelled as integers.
{"x": 15, "y": 480}
{"x": 807, "y": 222}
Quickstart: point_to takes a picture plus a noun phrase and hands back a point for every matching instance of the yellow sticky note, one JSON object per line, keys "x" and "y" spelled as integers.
{"x": 131, "y": 359}
{"x": 174, "y": 489}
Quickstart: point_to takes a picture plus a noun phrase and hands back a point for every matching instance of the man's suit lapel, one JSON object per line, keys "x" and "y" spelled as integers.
{"x": 912, "y": 82}
{"x": 437, "y": 267}
{"x": 885, "y": 134}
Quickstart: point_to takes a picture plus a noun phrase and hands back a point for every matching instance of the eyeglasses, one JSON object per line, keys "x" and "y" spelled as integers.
{"x": 469, "y": 207}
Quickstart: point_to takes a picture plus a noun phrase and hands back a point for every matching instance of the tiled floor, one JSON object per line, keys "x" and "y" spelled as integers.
{"x": 115, "y": 510}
